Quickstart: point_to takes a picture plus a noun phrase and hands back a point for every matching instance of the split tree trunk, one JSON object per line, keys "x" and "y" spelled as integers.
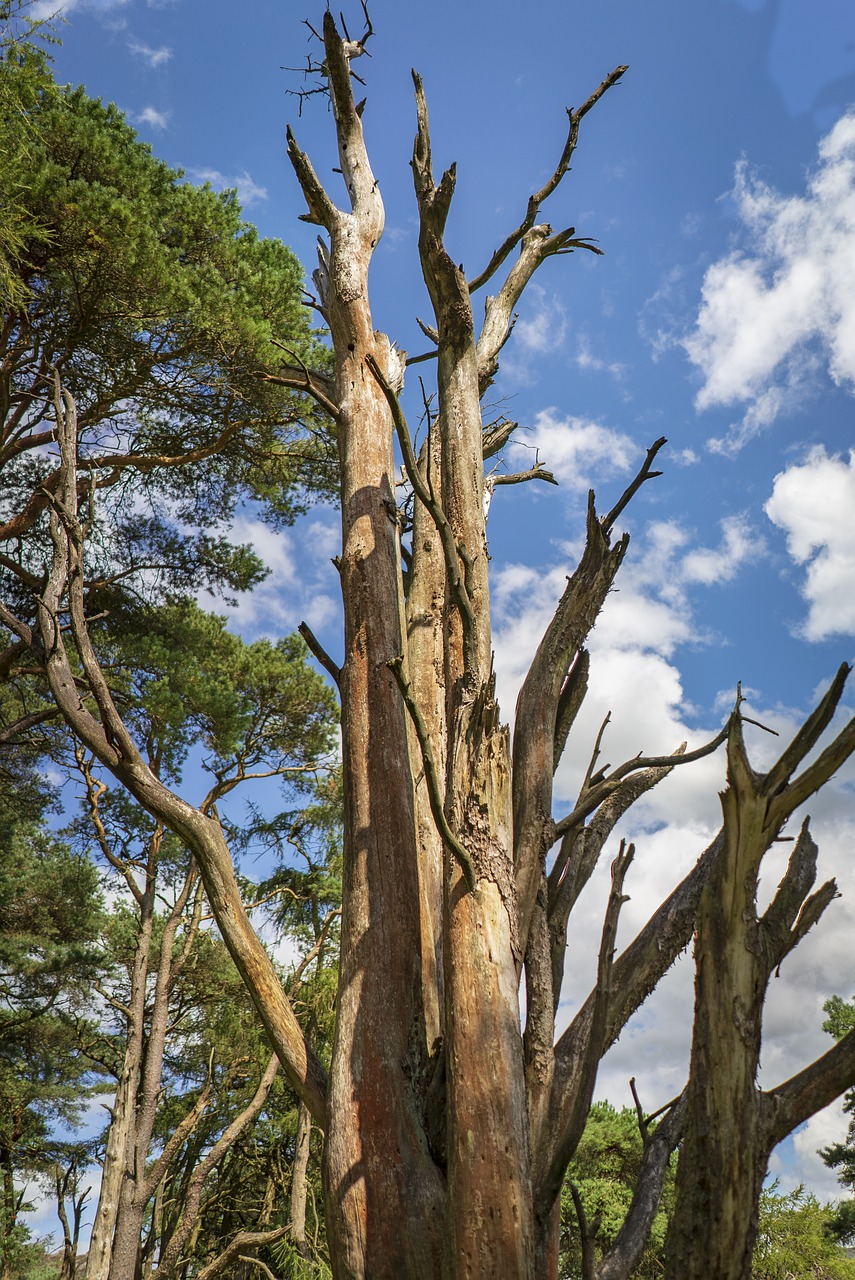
{"x": 383, "y": 1193}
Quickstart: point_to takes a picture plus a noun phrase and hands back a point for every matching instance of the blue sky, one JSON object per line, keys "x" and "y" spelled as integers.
{"x": 719, "y": 178}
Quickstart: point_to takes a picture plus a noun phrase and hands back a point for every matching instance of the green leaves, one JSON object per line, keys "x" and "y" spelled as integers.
{"x": 252, "y": 707}
{"x": 166, "y": 317}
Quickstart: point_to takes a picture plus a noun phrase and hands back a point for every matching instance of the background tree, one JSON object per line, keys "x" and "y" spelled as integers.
{"x": 49, "y": 923}
{"x": 598, "y": 1194}
{"x": 841, "y": 1155}
{"x": 167, "y": 318}
{"x": 257, "y": 711}
{"x": 794, "y": 1235}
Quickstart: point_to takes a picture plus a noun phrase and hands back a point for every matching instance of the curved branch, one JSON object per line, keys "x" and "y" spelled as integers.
{"x": 432, "y": 774}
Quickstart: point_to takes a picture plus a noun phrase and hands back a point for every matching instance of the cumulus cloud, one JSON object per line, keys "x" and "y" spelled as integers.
{"x": 813, "y": 502}
{"x": 248, "y": 191}
{"x": 544, "y": 328}
{"x": 154, "y": 57}
{"x": 772, "y": 315}
{"x": 45, "y": 9}
{"x": 575, "y": 447}
{"x": 151, "y": 116}
{"x": 301, "y": 584}
{"x": 633, "y": 649}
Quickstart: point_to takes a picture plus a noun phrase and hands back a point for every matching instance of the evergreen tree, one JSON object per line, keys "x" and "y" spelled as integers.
{"x": 841, "y": 1155}
{"x": 50, "y": 911}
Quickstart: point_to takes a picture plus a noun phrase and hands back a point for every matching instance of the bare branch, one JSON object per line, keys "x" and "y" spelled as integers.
{"x": 622, "y": 1255}
{"x": 800, "y": 1097}
{"x": 629, "y": 493}
{"x": 570, "y": 700}
{"x": 322, "y": 211}
{"x": 193, "y": 1195}
{"x": 243, "y": 1240}
{"x": 536, "y": 200}
{"x": 320, "y": 652}
{"x": 606, "y": 787}
{"x": 432, "y": 774}
{"x": 809, "y": 734}
{"x": 537, "y": 472}
{"x": 10, "y": 735}
{"x": 587, "y": 1232}
{"x": 538, "y": 244}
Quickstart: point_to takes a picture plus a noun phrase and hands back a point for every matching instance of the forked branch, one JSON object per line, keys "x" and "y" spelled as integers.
{"x": 536, "y": 200}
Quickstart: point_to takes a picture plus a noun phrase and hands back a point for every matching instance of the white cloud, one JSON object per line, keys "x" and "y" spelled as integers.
{"x": 813, "y": 502}
{"x": 301, "y": 584}
{"x": 154, "y": 57}
{"x": 739, "y": 543}
{"x": 772, "y": 315}
{"x": 45, "y": 9}
{"x": 823, "y": 1129}
{"x": 544, "y": 329}
{"x": 248, "y": 191}
{"x": 151, "y": 116}
{"x": 573, "y": 448}
{"x": 586, "y": 359}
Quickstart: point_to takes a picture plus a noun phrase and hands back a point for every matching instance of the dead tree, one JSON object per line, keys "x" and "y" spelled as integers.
{"x": 731, "y": 1124}
{"x": 448, "y": 1125}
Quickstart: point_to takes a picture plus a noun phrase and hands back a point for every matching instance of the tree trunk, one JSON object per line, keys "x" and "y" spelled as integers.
{"x": 299, "y": 1181}
{"x": 383, "y": 1193}
{"x": 732, "y": 1125}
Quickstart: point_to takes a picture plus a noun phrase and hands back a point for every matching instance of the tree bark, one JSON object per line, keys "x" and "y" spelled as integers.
{"x": 299, "y": 1182}
{"x": 384, "y": 1215}
{"x": 732, "y": 1125}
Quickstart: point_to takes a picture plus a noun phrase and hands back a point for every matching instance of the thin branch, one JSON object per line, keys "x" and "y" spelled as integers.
{"x": 303, "y": 379}
{"x": 257, "y": 1262}
{"x": 316, "y": 950}
{"x": 432, "y": 774}
{"x": 587, "y": 1231}
{"x": 537, "y": 472}
{"x": 535, "y": 201}
{"x": 320, "y": 653}
{"x": 629, "y": 493}
{"x": 9, "y": 735}
{"x": 604, "y": 787}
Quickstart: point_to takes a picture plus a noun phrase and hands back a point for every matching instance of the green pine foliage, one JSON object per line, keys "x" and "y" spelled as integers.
{"x": 796, "y": 1237}
{"x": 604, "y": 1171}
{"x": 840, "y": 1156}
{"x": 50, "y": 916}
{"x": 166, "y": 317}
